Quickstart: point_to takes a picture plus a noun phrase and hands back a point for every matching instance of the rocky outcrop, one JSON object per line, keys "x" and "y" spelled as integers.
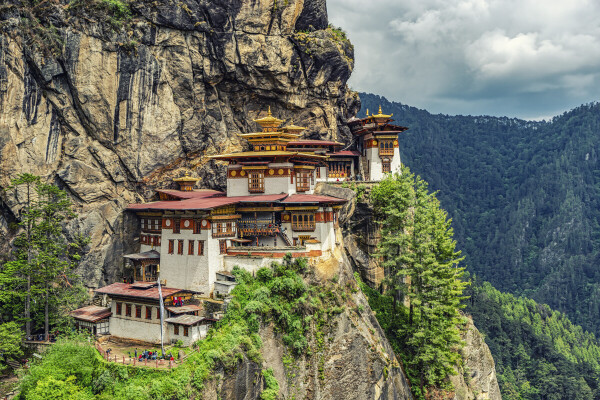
{"x": 110, "y": 107}
{"x": 477, "y": 379}
{"x": 355, "y": 360}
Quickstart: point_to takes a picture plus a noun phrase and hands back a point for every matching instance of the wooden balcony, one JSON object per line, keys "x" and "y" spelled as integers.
{"x": 303, "y": 227}
{"x": 386, "y": 152}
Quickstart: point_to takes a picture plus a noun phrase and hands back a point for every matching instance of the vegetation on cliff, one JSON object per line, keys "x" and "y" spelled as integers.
{"x": 419, "y": 309}
{"x": 277, "y": 296}
{"x": 38, "y": 286}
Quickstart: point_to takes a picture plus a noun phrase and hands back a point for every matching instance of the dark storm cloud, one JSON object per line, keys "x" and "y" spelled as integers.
{"x": 523, "y": 58}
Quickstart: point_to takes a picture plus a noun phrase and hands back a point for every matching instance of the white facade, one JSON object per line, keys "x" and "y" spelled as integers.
{"x": 375, "y": 163}
{"x": 277, "y": 180}
{"x": 130, "y": 327}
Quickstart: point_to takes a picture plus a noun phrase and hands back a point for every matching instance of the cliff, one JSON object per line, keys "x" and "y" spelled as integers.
{"x": 352, "y": 359}
{"x": 476, "y": 377}
{"x": 110, "y": 102}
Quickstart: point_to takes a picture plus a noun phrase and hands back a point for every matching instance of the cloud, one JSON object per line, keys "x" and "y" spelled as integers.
{"x": 521, "y": 58}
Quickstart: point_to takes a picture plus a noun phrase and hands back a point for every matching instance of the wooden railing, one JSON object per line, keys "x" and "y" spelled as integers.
{"x": 304, "y": 226}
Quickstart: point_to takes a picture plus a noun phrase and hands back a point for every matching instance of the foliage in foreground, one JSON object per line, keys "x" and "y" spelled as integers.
{"x": 277, "y": 296}
{"x": 539, "y": 353}
{"x": 423, "y": 286}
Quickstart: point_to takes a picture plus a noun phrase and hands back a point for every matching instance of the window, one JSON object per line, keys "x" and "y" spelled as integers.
{"x": 157, "y": 312}
{"x": 256, "y": 181}
{"x": 138, "y": 311}
{"x": 220, "y": 229}
{"x": 148, "y": 312}
{"x": 176, "y": 225}
{"x": 128, "y": 310}
{"x": 197, "y": 226}
{"x": 176, "y": 329}
{"x": 143, "y": 224}
{"x": 318, "y": 172}
{"x": 303, "y": 222}
{"x": 302, "y": 181}
{"x": 223, "y": 246}
{"x": 171, "y": 246}
{"x": 185, "y": 331}
{"x": 200, "y": 247}
{"x": 386, "y": 167}
{"x": 386, "y": 147}
{"x": 190, "y": 247}
{"x": 180, "y": 247}
{"x": 118, "y": 308}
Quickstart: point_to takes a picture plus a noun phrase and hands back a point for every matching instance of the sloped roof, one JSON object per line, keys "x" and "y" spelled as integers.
{"x": 130, "y": 290}
{"x": 91, "y": 313}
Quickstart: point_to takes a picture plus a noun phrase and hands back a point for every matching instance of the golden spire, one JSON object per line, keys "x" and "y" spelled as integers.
{"x": 293, "y": 128}
{"x": 367, "y": 112}
{"x": 380, "y": 114}
{"x": 269, "y": 121}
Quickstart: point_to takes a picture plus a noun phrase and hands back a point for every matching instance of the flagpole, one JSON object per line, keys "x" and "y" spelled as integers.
{"x": 162, "y": 306}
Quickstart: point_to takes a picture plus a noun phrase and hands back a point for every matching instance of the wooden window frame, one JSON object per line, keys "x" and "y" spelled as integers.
{"x": 176, "y": 329}
{"x": 138, "y": 311}
{"x": 303, "y": 222}
{"x": 191, "y": 246}
{"x": 176, "y": 225}
{"x": 119, "y": 308}
{"x": 171, "y": 246}
{"x": 148, "y": 312}
{"x": 186, "y": 331}
{"x": 256, "y": 181}
{"x": 223, "y": 246}
{"x": 127, "y": 310}
{"x": 303, "y": 181}
{"x": 200, "y": 247}
{"x": 386, "y": 167}
{"x": 157, "y": 312}
{"x": 224, "y": 229}
{"x": 180, "y": 246}
{"x": 197, "y": 226}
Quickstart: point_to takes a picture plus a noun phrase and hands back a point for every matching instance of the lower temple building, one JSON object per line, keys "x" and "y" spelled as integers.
{"x": 190, "y": 240}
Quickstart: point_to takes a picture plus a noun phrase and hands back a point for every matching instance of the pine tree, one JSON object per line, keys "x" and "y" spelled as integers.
{"x": 43, "y": 261}
{"x": 418, "y": 253}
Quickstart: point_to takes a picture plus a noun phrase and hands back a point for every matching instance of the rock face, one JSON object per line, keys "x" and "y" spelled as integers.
{"x": 478, "y": 379}
{"x": 110, "y": 113}
{"x": 356, "y": 361}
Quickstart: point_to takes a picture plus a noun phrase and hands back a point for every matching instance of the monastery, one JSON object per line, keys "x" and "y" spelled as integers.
{"x": 190, "y": 239}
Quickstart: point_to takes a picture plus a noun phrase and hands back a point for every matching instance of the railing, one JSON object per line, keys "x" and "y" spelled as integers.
{"x": 305, "y": 226}
{"x": 257, "y": 228}
{"x": 386, "y": 152}
{"x": 224, "y": 233}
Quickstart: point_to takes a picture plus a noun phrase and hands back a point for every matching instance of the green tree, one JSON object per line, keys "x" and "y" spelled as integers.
{"x": 419, "y": 256}
{"x": 43, "y": 260}
{"x": 11, "y": 339}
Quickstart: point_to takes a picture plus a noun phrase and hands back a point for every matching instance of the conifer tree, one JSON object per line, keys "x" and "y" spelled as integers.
{"x": 421, "y": 263}
{"x": 43, "y": 260}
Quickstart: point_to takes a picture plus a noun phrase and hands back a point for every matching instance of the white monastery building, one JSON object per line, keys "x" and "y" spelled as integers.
{"x": 192, "y": 238}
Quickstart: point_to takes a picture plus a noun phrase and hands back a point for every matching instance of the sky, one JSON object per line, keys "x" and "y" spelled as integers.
{"x": 529, "y": 59}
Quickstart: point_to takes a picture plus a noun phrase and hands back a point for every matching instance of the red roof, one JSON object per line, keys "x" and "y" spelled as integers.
{"x": 307, "y": 142}
{"x": 345, "y": 153}
{"x": 195, "y": 194}
{"x": 312, "y": 198}
{"x": 129, "y": 290}
{"x": 91, "y": 313}
{"x": 206, "y": 203}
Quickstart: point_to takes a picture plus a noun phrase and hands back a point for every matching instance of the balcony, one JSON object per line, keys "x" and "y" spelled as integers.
{"x": 303, "y": 227}
{"x": 386, "y": 152}
{"x": 257, "y": 228}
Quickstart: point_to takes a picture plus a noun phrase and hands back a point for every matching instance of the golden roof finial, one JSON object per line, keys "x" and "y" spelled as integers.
{"x": 367, "y": 112}
{"x": 380, "y": 114}
{"x": 269, "y": 121}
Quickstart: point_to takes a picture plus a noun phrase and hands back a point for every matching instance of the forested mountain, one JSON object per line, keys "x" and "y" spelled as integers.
{"x": 524, "y": 198}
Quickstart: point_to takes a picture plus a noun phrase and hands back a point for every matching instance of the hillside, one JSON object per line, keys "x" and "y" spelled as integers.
{"x": 524, "y": 198}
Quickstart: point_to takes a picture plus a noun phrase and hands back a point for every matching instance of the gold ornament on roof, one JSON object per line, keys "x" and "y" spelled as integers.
{"x": 293, "y": 128}
{"x": 381, "y": 115}
{"x": 269, "y": 121}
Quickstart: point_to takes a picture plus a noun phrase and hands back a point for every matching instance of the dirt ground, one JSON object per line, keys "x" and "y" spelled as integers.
{"x": 123, "y": 352}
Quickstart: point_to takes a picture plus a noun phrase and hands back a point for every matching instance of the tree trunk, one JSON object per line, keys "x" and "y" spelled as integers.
{"x": 28, "y": 308}
{"x": 46, "y": 316}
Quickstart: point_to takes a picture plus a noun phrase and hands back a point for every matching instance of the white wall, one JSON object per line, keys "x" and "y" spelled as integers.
{"x": 396, "y": 165}
{"x": 375, "y": 165}
{"x": 195, "y": 333}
